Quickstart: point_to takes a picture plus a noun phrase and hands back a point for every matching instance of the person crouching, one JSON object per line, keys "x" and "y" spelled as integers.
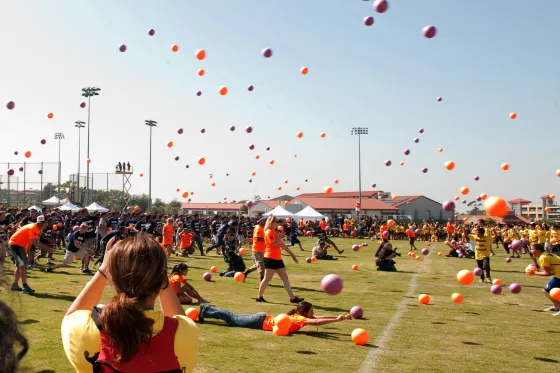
{"x": 384, "y": 261}
{"x": 320, "y": 251}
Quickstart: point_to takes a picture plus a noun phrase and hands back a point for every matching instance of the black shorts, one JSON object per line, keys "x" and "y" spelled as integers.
{"x": 411, "y": 240}
{"x": 273, "y": 263}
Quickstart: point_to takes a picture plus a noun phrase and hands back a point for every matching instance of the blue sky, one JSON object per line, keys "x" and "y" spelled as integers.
{"x": 488, "y": 59}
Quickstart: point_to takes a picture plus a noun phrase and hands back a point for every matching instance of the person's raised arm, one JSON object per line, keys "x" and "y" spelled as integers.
{"x": 317, "y": 321}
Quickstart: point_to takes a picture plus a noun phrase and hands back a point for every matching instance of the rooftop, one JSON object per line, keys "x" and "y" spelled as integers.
{"x": 365, "y": 194}
{"x": 518, "y": 201}
{"x": 212, "y": 206}
{"x": 344, "y": 203}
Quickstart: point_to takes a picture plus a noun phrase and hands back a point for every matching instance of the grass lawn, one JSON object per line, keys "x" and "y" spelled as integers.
{"x": 487, "y": 332}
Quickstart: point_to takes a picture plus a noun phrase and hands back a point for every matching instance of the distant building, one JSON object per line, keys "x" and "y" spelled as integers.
{"x": 517, "y": 205}
{"x": 212, "y": 208}
{"x": 346, "y": 206}
{"x": 419, "y": 208}
{"x": 547, "y": 210}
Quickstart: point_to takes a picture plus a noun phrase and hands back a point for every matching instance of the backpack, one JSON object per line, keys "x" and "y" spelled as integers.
{"x": 158, "y": 356}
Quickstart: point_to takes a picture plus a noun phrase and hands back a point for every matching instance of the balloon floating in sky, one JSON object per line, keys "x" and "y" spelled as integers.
{"x": 257, "y": 157}
{"x": 388, "y": 163}
{"x": 512, "y": 115}
{"x": 328, "y": 190}
{"x": 336, "y": 181}
{"x": 558, "y": 172}
{"x": 476, "y": 178}
{"x": 223, "y": 90}
{"x": 10, "y": 105}
{"x": 250, "y": 88}
{"x": 429, "y": 31}
{"x": 450, "y": 165}
{"x": 40, "y": 172}
{"x": 300, "y": 135}
{"x": 424, "y": 170}
{"x": 251, "y": 146}
{"x": 83, "y": 105}
{"x": 198, "y": 93}
{"x": 200, "y": 54}
{"x": 249, "y": 129}
{"x": 21, "y": 169}
{"x": 323, "y": 135}
{"x": 170, "y": 144}
{"x": 50, "y": 115}
{"x": 421, "y": 130}
{"x": 402, "y": 163}
{"x": 271, "y": 161}
{"x": 174, "y": 47}
{"x": 267, "y": 148}
{"x": 448, "y": 206}
{"x": 185, "y": 194}
{"x": 380, "y": 6}
{"x": 416, "y": 140}
{"x": 505, "y": 166}
{"x": 406, "y": 152}
{"x": 440, "y": 150}
{"x": 27, "y": 154}
{"x": 187, "y": 166}
{"x": 180, "y": 131}
{"x": 373, "y": 185}
{"x": 439, "y": 99}
{"x": 141, "y": 175}
{"x": 368, "y": 21}
{"x": 306, "y": 180}
{"x": 122, "y": 48}
{"x": 177, "y": 158}
{"x": 304, "y": 70}
{"x": 151, "y": 32}
{"x": 202, "y": 130}
{"x": 267, "y": 52}
{"x": 464, "y": 190}
{"x": 16, "y": 153}
{"x": 43, "y": 141}
{"x": 201, "y": 161}
{"x": 201, "y": 72}
{"x": 232, "y": 128}
{"x": 88, "y": 161}
{"x": 496, "y": 206}
{"x": 11, "y": 172}
{"x": 250, "y": 180}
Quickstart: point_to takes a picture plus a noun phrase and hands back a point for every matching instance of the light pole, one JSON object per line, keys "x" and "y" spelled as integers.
{"x": 151, "y": 124}
{"x": 79, "y": 125}
{"x": 359, "y": 131}
{"x": 59, "y": 136}
{"x": 89, "y": 92}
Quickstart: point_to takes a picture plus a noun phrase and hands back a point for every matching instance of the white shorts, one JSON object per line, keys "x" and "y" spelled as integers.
{"x": 69, "y": 257}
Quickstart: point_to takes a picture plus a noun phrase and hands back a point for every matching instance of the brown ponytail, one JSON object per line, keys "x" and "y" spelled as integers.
{"x": 138, "y": 272}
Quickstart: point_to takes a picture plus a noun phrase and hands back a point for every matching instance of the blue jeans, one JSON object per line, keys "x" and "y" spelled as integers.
{"x": 217, "y": 244}
{"x": 253, "y": 321}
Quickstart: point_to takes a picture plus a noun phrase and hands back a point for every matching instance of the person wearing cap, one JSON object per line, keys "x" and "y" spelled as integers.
{"x": 77, "y": 247}
{"x": 20, "y": 244}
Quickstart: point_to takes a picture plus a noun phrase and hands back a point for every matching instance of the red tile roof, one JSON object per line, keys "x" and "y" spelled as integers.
{"x": 269, "y": 203}
{"x": 212, "y": 206}
{"x": 518, "y": 201}
{"x": 401, "y": 200}
{"x": 345, "y": 204}
{"x": 365, "y": 194}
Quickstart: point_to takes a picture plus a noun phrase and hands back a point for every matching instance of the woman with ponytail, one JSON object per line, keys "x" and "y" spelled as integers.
{"x": 185, "y": 291}
{"x": 128, "y": 335}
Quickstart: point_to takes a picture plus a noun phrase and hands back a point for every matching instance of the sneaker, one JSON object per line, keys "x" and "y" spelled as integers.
{"x": 341, "y": 251}
{"x": 48, "y": 269}
{"x": 27, "y": 290}
{"x": 15, "y": 287}
{"x": 261, "y": 300}
{"x": 492, "y": 254}
{"x": 296, "y": 300}
{"x": 86, "y": 271}
{"x": 556, "y": 314}
{"x": 551, "y": 308}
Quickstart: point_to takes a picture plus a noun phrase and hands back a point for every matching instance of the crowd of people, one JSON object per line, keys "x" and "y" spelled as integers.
{"x": 131, "y": 252}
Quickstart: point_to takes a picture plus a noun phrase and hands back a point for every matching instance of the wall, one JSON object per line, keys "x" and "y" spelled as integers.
{"x": 418, "y": 209}
{"x": 261, "y": 207}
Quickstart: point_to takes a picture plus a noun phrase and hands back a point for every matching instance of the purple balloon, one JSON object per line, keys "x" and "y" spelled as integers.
{"x": 180, "y": 131}
{"x": 16, "y": 153}
{"x": 357, "y": 312}
{"x": 439, "y": 99}
{"x": 232, "y": 128}
{"x": 83, "y": 105}
{"x": 448, "y": 206}
{"x": 421, "y": 130}
{"x": 207, "y": 276}
{"x": 417, "y": 231}
{"x": 515, "y": 288}
{"x": 177, "y": 158}
{"x": 425, "y": 251}
{"x": 388, "y": 163}
{"x": 122, "y": 48}
{"x": 40, "y": 172}
{"x": 355, "y": 247}
{"x": 508, "y": 260}
{"x": 478, "y": 199}
{"x": 476, "y": 178}
{"x": 429, "y": 31}
{"x": 187, "y": 166}
{"x": 308, "y": 260}
{"x": 496, "y": 289}
{"x": 453, "y": 242}
{"x": 43, "y": 141}
{"x": 464, "y": 201}
{"x": 251, "y": 146}
{"x": 267, "y": 148}
{"x": 249, "y": 204}
{"x": 424, "y": 170}
{"x": 151, "y": 32}
{"x": 368, "y": 21}
{"x": 406, "y": 152}
{"x": 21, "y": 169}
{"x": 250, "y": 88}
{"x": 460, "y": 256}
{"x": 417, "y": 140}
{"x": 249, "y": 129}
{"x": 202, "y": 130}
{"x": 380, "y": 6}
{"x": 477, "y": 271}
{"x": 306, "y": 180}
{"x": 331, "y": 284}
{"x": 198, "y": 93}
{"x": 11, "y": 172}
{"x": 373, "y": 185}
{"x": 10, "y": 105}
{"x": 517, "y": 244}
{"x": 267, "y": 52}
{"x": 250, "y": 180}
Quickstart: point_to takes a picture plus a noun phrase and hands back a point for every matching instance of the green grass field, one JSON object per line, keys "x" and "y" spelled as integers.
{"x": 489, "y": 333}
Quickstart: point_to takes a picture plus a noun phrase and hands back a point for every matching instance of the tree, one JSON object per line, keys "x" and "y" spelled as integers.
{"x": 158, "y": 207}
{"x": 173, "y": 207}
{"x": 256, "y": 198}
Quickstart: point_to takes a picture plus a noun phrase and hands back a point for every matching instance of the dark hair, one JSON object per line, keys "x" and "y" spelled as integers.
{"x": 179, "y": 268}
{"x": 538, "y": 246}
{"x": 480, "y": 231}
{"x": 138, "y": 272}
{"x": 302, "y": 308}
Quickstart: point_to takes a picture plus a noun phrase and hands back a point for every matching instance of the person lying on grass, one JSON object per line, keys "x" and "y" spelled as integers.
{"x": 185, "y": 291}
{"x": 300, "y": 316}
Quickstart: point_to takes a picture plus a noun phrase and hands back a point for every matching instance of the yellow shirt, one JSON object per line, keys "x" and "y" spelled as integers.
{"x": 542, "y": 236}
{"x": 80, "y": 336}
{"x": 482, "y": 245}
{"x": 552, "y": 261}
{"x": 511, "y": 235}
{"x": 524, "y": 233}
{"x": 533, "y": 236}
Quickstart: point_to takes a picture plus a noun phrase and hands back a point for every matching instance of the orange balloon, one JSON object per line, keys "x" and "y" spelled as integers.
{"x": 213, "y": 269}
{"x": 552, "y": 196}
{"x": 496, "y": 206}
{"x": 394, "y": 198}
{"x": 323, "y": 135}
{"x": 313, "y": 258}
{"x": 497, "y": 281}
{"x": 178, "y": 189}
{"x": 483, "y": 196}
{"x": 201, "y": 161}
{"x": 223, "y": 90}
{"x": 279, "y": 188}
{"x": 201, "y": 72}
{"x": 402, "y": 163}
{"x": 555, "y": 293}
{"x": 192, "y": 193}
{"x": 192, "y": 313}
{"x": 465, "y": 277}
{"x": 456, "y": 198}
{"x": 304, "y": 70}
{"x": 457, "y": 298}
{"x": 285, "y": 181}
{"x": 141, "y": 175}
{"x": 300, "y": 135}
{"x": 295, "y": 156}
{"x": 279, "y": 332}
{"x": 28, "y": 154}
{"x": 242, "y": 251}
{"x": 360, "y": 337}
{"x": 355, "y": 267}
{"x": 200, "y": 54}
{"x": 170, "y": 144}
{"x": 390, "y": 222}
{"x": 336, "y": 181}
{"x": 505, "y": 166}
{"x": 512, "y": 115}
{"x": 464, "y": 190}
{"x": 547, "y": 209}
{"x": 213, "y": 184}
{"x": 239, "y": 276}
{"x": 185, "y": 194}
{"x": 254, "y": 174}
{"x": 88, "y": 161}
{"x": 418, "y": 258}
{"x": 449, "y": 165}
{"x": 174, "y": 47}
{"x": 283, "y": 322}
{"x": 271, "y": 161}
{"x": 50, "y": 115}
{"x": 258, "y": 157}
{"x": 225, "y": 198}
{"x": 297, "y": 188}
{"x": 558, "y": 172}
{"x": 328, "y": 190}
{"x": 440, "y": 254}
{"x": 210, "y": 176}
{"x": 440, "y": 150}
{"x": 424, "y": 299}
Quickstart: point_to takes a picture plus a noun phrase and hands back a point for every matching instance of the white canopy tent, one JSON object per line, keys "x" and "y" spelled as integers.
{"x": 53, "y": 201}
{"x": 64, "y": 201}
{"x": 309, "y": 213}
{"x": 95, "y": 207}
{"x": 69, "y": 207}
{"x": 279, "y": 212}
{"x": 36, "y": 208}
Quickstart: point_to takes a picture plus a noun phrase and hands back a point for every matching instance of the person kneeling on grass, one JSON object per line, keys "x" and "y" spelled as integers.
{"x": 320, "y": 251}
{"x": 300, "y": 316}
{"x": 76, "y": 248}
{"x": 234, "y": 261}
{"x": 185, "y": 291}
{"x": 384, "y": 261}
{"x": 550, "y": 264}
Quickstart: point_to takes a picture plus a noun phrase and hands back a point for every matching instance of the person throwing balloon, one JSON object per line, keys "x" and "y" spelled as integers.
{"x": 273, "y": 262}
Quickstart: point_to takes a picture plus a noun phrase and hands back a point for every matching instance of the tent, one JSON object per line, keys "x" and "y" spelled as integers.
{"x": 64, "y": 201}
{"x": 279, "y": 212}
{"x": 53, "y": 201}
{"x": 69, "y": 207}
{"x": 95, "y": 207}
{"x": 36, "y": 208}
{"x": 309, "y": 213}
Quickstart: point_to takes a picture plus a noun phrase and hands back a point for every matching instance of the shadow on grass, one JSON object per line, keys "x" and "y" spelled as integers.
{"x": 472, "y": 343}
{"x": 28, "y": 321}
{"x": 323, "y": 335}
{"x": 330, "y": 309}
{"x": 439, "y": 323}
{"x": 553, "y": 331}
{"x": 546, "y": 360}
{"x": 506, "y": 271}
{"x": 46, "y": 371}
{"x": 305, "y": 289}
{"x": 67, "y": 298}
{"x": 473, "y": 313}
{"x": 306, "y": 352}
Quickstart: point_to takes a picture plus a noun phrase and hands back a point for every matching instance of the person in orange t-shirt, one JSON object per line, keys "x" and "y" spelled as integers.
{"x": 258, "y": 249}
{"x": 323, "y": 224}
{"x": 300, "y": 316}
{"x": 185, "y": 238}
{"x": 167, "y": 241}
{"x": 273, "y": 262}
{"x": 185, "y": 291}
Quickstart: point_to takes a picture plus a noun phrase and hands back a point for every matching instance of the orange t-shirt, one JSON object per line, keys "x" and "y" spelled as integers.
{"x": 25, "y": 235}
{"x": 346, "y": 226}
{"x": 450, "y": 228}
{"x": 258, "y": 239}
{"x": 383, "y": 228}
{"x": 186, "y": 240}
{"x": 323, "y": 224}
{"x": 174, "y": 280}
{"x": 298, "y": 322}
{"x": 271, "y": 251}
{"x": 167, "y": 235}
{"x": 410, "y": 233}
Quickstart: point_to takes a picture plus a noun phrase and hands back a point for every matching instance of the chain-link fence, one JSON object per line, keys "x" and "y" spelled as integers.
{"x": 110, "y": 190}
{"x": 27, "y": 183}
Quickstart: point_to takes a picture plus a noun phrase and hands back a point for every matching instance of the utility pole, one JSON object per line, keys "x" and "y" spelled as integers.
{"x": 151, "y": 124}
{"x": 359, "y": 131}
{"x": 59, "y": 136}
{"x": 89, "y": 92}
